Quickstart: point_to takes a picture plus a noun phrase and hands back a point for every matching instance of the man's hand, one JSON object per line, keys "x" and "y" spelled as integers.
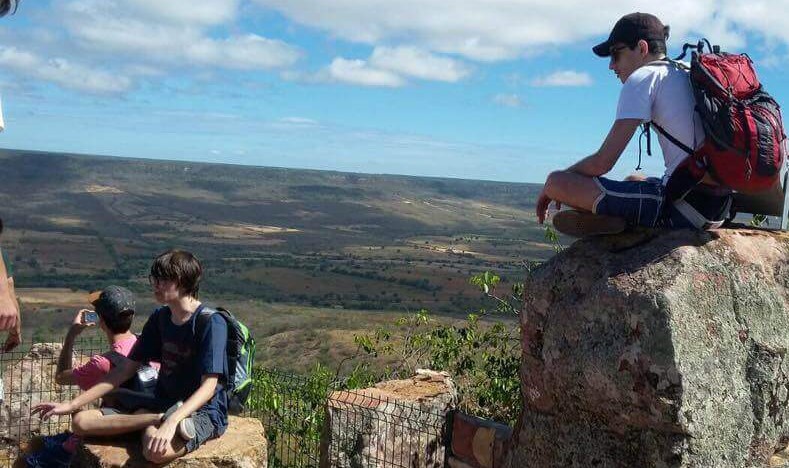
{"x": 543, "y": 202}
{"x": 49, "y": 408}
{"x": 8, "y": 312}
{"x": 12, "y": 340}
{"x": 78, "y": 324}
{"x": 163, "y": 436}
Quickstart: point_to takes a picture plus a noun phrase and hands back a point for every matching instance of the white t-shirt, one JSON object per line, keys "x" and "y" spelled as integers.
{"x": 661, "y": 93}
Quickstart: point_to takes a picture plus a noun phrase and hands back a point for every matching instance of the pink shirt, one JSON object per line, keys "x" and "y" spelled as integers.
{"x": 92, "y": 372}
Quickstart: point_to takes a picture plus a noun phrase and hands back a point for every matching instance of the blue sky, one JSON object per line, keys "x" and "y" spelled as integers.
{"x": 489, "y": 89}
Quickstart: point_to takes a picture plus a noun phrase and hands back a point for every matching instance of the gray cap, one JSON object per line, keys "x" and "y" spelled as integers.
{"x": 113, "y": 301}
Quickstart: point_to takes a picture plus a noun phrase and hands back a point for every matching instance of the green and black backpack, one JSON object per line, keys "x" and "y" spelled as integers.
{"x": 240, "y": 357}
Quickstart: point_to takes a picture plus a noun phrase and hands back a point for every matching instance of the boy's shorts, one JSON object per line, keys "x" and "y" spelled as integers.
{"x": 640, "y": 203}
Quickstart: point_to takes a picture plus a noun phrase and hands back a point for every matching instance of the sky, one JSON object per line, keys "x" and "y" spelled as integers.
{"x": 482, "y": 89}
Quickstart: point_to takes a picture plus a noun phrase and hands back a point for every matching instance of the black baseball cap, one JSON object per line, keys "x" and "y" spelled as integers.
{"x": 631, "y": 29}
{"x": 113, "y": 301}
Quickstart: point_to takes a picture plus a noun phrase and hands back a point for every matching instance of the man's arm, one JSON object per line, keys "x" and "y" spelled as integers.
{"x": 113, "y": 380}
{"x": 158, "y": 443}
{"x": 14, "y": 337}
{"x": 8, "y": 308}
{"x": 606, "y": 157}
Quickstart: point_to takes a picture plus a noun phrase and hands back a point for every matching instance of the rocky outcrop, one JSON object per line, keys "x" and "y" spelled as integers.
{"x": 243, "y": 445}
{"x": 395, "y": 423}
{"x": 664, "y": 349}
{"x": 28, "y": 382}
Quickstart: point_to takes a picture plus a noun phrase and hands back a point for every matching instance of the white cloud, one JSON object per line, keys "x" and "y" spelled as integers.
{"x": 103, "y": 26}
{"x": 298, "y": 121}
{"x": 390, "y": 67}
{"x": 186, "y": 11}
{"x": 359, "y": 72}
{"x": 564, "y": 78}
{"x": 63, "y": 72}
{"x": 508, "y": 100}
{"x": 482, "y": 29}
{"x": 418, "y": 63}
{"x": 491, "y": 30}
{"x": 249, "y": 52}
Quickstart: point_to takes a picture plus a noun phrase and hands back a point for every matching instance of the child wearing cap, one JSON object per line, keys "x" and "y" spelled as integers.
{"x": 190, "y": 403}
{"x": 114, "y": 309}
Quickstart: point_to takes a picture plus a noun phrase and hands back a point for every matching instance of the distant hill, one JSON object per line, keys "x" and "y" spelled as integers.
{"x": 283, "y": 235}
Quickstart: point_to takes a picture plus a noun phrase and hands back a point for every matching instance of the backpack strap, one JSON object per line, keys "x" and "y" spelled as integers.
{"x": 672, "y": 139}
{"x": 114, "y": 357}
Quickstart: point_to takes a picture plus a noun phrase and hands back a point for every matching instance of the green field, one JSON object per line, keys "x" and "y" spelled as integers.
{"x": 309, "y": 258}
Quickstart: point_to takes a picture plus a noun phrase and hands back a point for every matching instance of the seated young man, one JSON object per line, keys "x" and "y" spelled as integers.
{"x": 656, "y": 91}
{"x": 190, "y": 397}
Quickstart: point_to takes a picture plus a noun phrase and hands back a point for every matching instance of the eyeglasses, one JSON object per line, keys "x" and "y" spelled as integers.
{"x": 615, "y": 52}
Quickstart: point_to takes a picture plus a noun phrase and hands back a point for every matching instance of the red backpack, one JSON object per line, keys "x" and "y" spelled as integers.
{"x": 744, "y": 148}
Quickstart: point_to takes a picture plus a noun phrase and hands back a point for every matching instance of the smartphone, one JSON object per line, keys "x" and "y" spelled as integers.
{"x": 91, "y": 317}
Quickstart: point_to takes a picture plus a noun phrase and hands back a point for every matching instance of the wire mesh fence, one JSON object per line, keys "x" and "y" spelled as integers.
{"x": 28, "y": 377}
{"x": 310, "y": 421}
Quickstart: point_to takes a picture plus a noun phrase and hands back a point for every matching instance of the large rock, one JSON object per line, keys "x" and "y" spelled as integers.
{"x": 395, "y": 423}
{"x": 28, "y": 382}
{"x": 243, "y": 445}
{"x": 657, "y": 349}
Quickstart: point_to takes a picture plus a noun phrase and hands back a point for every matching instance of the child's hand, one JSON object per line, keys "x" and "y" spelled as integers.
{"x": 78, "y": 323}
{"x": 50, "y": 408}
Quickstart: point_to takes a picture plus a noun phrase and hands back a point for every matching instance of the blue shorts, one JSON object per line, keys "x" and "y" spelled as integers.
{"x": 641, "y": 203}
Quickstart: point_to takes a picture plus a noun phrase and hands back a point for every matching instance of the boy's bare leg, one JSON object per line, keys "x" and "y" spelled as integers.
{"x": 572, "y": 189}
{"x": 175, "y": 449}
{"x": 93, "y": 423}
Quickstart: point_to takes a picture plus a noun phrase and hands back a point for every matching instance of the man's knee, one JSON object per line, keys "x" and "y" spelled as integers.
{"x": 83, "y": 422}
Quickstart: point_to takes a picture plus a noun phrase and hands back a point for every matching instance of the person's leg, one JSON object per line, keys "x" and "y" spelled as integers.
{"x": 175, "y": 449}
{"x": 204, "y": 431}
{"x": 572, "y": 189}
{"x": 97, "y": 423}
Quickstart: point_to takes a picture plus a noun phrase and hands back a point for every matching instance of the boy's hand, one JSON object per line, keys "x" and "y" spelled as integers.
{"x": 50, "y": 408}
{"x": 78, "y": 324}
{"x": 163, "y": 436}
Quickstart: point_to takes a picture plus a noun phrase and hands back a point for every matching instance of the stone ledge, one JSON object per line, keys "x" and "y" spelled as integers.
{"x": 244, "y": 445}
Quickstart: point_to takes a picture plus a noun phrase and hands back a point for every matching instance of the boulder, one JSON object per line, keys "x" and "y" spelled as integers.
{"x": 28, "y": 382}
{"x": 394, "y": 423}
{"x": 243, "y": 445}
{"x": 662, "y": 349}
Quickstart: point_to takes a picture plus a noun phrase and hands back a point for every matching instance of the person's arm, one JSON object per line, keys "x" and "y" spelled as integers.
{"x": 606, "y": 157}
{"x": 64, "y": 375}
{"x": 165, "y": 433}
{"x": 14, "y": 337}
{"x": 8, "y": 308}
{"x": 113, "y": 380}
